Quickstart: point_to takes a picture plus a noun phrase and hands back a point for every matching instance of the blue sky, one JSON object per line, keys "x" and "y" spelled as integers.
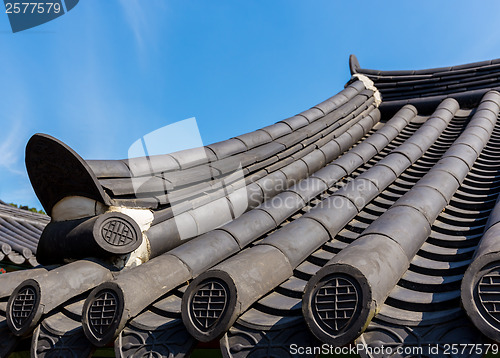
{"x": 109, "y": 71}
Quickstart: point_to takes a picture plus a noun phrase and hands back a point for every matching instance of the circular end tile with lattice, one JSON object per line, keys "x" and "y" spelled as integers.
{"x": 335, "y": 303}
{"x": 102, "y": 312}
{"x": 23, "y": 308}
{"x": 208, "y": 304}
{"x": 488, "y": 289}
{"x": 117, "y": 233}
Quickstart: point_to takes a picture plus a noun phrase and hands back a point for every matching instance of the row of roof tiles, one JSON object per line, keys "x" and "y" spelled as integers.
{"x": 20, "y": 231}
{"x": 426, "y": 88}
{"x": 369, "y": 241}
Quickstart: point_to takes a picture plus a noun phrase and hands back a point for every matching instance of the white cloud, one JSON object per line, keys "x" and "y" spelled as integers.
{"x": 11, "y": 149}
{"x": 134, "y": 13}
{"x": 138, "y": 14}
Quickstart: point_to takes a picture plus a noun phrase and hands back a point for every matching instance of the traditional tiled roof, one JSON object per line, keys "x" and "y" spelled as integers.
{"x": 425, "y": 89}
{"x": 20, "y": 231}
{"x": 355, "y": 220}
